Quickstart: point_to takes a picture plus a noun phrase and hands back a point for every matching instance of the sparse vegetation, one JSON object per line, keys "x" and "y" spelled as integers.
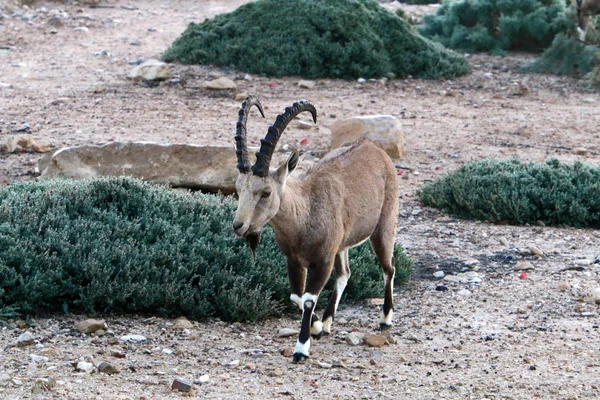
{"x": 552, "y": 193}
{"x": 123, "y": 246}
{"x": 314, "y": 39}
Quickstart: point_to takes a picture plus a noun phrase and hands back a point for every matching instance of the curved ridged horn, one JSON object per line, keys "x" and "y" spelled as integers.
{"x": 267, "y": 145}
{"x": 241, "y": 147}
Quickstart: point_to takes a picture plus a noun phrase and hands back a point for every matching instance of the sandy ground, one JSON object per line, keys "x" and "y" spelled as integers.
{"x": 493, "y": 334}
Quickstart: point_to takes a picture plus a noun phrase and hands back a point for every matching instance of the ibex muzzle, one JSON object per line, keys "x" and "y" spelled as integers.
{"x": 350, "y": 196}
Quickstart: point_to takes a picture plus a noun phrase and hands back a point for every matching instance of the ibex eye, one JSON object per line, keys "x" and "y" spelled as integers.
{"x": 264, "y": 195}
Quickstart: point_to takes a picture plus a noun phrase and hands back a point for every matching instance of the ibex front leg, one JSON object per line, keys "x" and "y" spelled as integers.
{"x": 318, "y": 273}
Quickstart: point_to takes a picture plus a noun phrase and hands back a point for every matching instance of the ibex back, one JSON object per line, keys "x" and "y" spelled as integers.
{"x": 350, "y": 196}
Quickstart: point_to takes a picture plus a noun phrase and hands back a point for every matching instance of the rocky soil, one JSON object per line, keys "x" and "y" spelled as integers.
{"x": 492, "y": 311}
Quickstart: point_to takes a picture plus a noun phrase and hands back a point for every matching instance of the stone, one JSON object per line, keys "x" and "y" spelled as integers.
{"x": 211, "y": 168}
{"x": 4, "y": 85}
{"x": 8, "y": 144}
{"x": 536, "y": 251}
{"x": 596, "y": 295}
{"x": 286, "y": 332}
{"x": 41, "y": 146}
{"x": 25, "y": 339}
{"x": 304, "y": 125}
{"x": 384, "y": 130}
{"x": 84, "y": 366}
{"x": 181, "y": 385}
{"x": 36, "y": 358}
{"x": 355, "y": 338}
{"x": 464, "y": 293}
{"x": 324, "y": 365}
{"x": 581, "y": 151}
{"x": 375, "y": 340}
{"x": 304, "y": 84}
{"x": 151, "y": 70}
{"x": 241, "y": 96}
{"x": 50, "y": 352}
{"x": 438, "y": 274}
{"x": 222, "y": 83}
{"x": 42, "y": 385}
{"x": 563, "y": 285}
{"x": 90, "y": 325}
{"x": 203, "y": 379}
{"x": 182, "y": 323}
{"x": 523, "y": 266}
{"x": 287, "y": 352}
{"x": 107, "y": 368}
{"x": 133, "y": 338}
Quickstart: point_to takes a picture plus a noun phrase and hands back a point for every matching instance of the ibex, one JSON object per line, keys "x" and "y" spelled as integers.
{"x": 585, "y": 10}
{"x": 350, "y": 196}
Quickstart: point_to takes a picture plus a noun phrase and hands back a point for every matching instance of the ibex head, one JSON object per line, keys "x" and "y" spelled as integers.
{"x": 259, "y": 189}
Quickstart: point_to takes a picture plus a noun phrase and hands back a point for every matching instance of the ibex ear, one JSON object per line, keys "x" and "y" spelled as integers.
{"x": 288, "y": 166}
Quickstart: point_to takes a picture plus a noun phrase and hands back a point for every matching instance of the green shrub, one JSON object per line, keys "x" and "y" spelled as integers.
{"x": 566, "y": 56}
{"x": 314, "y": 39}
{"x": 498, "y": 25}
{"x": 521, "y": 193}
{"x": 420, "y": 1}
{"x": 124, "y": 246}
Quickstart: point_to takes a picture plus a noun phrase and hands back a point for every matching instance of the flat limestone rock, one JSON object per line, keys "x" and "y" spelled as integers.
{"x": 384, "y": 130}
{"x": 210, "y": 168}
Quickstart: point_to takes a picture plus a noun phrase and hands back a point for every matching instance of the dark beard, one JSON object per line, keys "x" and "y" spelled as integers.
{"x": 253, "y": 239}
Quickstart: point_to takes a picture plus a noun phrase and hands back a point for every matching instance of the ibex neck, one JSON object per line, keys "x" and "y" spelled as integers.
{"x": 293, "y": 209}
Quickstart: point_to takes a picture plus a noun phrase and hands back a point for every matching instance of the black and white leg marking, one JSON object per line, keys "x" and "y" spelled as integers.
{"x": 342, "y": 272}
{"x": 309, "y": 302}
{"x": 387, "y": 313}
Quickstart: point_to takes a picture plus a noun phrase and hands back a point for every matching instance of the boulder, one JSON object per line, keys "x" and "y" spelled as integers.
{"x": 151, "y": 70}
{"x": 384, "y": 130}
{"x": 220, "y": 84}
{"x": 90, "y": 325}
{"x": 211, "y": 168}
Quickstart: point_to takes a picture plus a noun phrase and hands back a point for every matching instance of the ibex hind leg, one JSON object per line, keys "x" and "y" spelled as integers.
{"x": 383, "y": 241}
{"x": 342, "y": 274}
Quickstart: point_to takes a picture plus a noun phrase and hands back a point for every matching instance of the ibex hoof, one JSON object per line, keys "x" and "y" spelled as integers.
{"x": 385, "y": 327}
{"x": 299, "y": 357}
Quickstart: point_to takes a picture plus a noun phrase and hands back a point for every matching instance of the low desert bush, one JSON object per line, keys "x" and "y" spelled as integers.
{"x": 551, "y": 193}
{"x": 566, "y": 56}
{"x": 120, "y": 245}
{"x": 498, "y": 25}
{"x": 315, "y": 39}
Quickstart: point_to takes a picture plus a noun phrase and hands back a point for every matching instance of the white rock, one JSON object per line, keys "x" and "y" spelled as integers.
{"x": 286, "y": 332}
{"x": 324, "y": 365}
{"x": 304, "y": 125}
{"x": 438, "y": 274}
{"x": 36, "y": 358}
{"x": 464, "y": 293}
{"x": 25, "y": 339}
{"x": 222, "y": 83}
{"x": 151, "y": 70}
{"x": 524, "y": 266}
{"x": 384, "y": 130}
{"x": 133, "y": 338}
{"x": 306, "y": 84}
{"x": 596, "y": 295}
{"x": 361, "y": 80}
{"x": 355, "y": 338}
{"x": 167, "y": 351}
{"x": 84, "y": 366}
{"x": 5, "y": 85}
{"x": 204, "y": 378}
{"x": 178, "y": 165}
